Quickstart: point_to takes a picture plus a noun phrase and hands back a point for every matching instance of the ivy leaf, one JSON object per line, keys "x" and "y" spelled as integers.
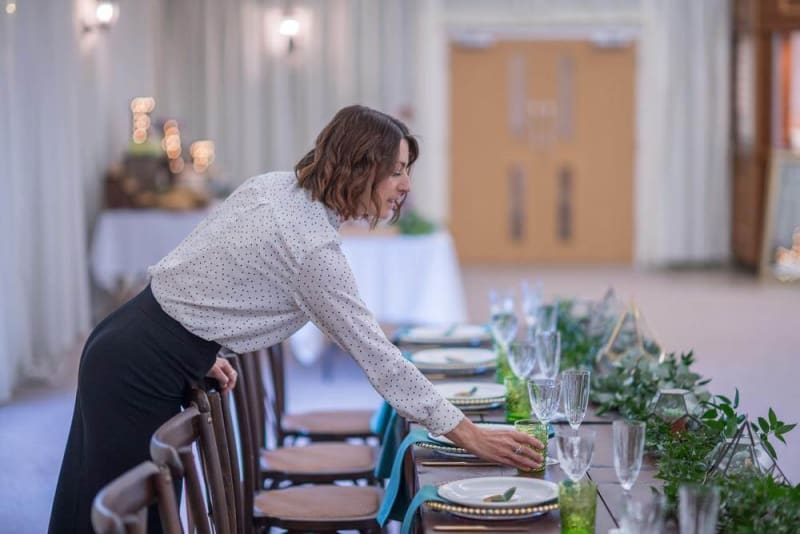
{"x": 773, "y": 418}
{"x": 783, "y": 429}
{"x": 764, "y": 425}
{"x": 770, "y": 448}
{"x": 736, "y": 399}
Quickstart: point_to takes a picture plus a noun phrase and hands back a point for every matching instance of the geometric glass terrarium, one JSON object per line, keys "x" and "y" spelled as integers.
{"x": 630, "y": 337}
{"x": 676, "y": 407}
{"x": 742, "y": 454}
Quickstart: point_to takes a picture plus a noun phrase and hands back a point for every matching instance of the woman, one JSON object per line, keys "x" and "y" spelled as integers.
{"x": 263, "y": 263}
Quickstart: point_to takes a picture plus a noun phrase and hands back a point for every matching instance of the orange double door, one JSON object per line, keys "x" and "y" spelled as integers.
{"x": 542, "y": 152}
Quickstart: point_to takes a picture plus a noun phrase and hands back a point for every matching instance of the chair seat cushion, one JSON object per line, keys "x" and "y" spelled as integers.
{"x": 319, "y": 458}
{"x": 343, "y": 422}
{"x": 319, "y": 502}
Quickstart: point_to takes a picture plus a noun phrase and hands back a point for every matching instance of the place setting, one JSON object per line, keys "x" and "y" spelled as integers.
{"x": 454, "y": 361}
{"x": 450, "y": 335}
{"x": 496, "y": 498}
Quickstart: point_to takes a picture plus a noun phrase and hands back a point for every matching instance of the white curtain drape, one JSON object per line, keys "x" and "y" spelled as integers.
{"x": 64, "y": 118}
{"x": 43, "y": 279}
{"x": 683, "y": 119}
{"x": 227, "y": 74}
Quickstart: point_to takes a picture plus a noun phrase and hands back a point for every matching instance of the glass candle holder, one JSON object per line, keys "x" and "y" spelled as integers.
{"x": 518, "y": 403}
{"x": 577, "y": 502}
{"x": 537, "y": 430}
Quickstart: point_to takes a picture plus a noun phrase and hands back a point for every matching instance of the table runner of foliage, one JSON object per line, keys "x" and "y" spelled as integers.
{"x": 750, "y": 500}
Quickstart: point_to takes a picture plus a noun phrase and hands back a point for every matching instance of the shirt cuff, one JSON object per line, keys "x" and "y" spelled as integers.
{"x": 445, "y": 418}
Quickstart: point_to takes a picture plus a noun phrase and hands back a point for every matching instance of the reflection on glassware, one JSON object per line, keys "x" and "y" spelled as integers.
{"x": 537, "y": 430}
{"x": 548, "y": 352}
{"x": 575, "y": 452}
{"x": 575, "y": 385}
{"x": 628, "y": 449}
{"x": 544, "y": 394}
{"x": 577, "y": 503}
{"x": 698, "y": 507}
{"x": 642, "y": 514}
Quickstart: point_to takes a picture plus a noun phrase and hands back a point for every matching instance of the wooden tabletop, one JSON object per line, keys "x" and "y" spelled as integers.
{"x": 601, "y": 471}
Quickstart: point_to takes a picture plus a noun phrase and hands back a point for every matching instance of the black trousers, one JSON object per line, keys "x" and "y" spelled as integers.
{"x": 135, "y": 372}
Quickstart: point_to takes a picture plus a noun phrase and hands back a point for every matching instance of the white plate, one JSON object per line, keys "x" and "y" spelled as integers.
{"x": 463, "y": 333}
{"x": 488, "y": 426}
{"x": 472, "y": 491}
{"x": 456, "y": 358}
{"x": 485, "y": 392}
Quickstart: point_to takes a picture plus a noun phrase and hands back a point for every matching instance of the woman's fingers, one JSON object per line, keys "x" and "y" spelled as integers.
{"x": 224, "y": 373}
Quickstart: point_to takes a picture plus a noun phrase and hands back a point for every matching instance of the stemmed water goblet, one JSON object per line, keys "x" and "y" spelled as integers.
{"x": 575, "y": 385}
{"x": 544, "y": 395}
{"x": 548, "y": 352}
{"x": 531, "y": 302}
{"x": 628, "y": 437}
{"x": 503, "y": 319}
{"x": 575, "y": 452}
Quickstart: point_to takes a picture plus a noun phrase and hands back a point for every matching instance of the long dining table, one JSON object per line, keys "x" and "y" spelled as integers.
{"x": 424, "y": 466}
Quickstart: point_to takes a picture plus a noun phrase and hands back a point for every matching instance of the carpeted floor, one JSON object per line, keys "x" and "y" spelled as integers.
{"x": 744, "y": 333}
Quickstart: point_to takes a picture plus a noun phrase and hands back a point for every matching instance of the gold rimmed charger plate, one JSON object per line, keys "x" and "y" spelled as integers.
{"x": 474, "y": 512}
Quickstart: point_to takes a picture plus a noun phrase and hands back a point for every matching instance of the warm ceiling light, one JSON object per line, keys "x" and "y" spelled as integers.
{"x": 11, "y": 8}
{"x": 289, "y": 27}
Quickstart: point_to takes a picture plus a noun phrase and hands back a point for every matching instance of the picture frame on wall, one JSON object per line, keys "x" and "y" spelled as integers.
{"x": 780, "y": 251}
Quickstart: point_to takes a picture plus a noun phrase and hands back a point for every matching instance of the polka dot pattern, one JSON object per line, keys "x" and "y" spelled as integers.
{"x": 268, "y": 260}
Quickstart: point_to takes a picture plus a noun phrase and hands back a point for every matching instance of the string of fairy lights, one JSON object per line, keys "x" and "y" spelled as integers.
{"x": 202, "y": 151}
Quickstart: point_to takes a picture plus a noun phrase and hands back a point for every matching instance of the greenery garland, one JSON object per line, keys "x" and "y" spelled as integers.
{"x": 750, "y": 501}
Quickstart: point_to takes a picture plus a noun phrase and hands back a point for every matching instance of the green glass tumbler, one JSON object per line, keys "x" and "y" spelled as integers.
{"x": 518, "y": 402}
{"x": 503, "y": 369}
{"x": 577, "y": 502}
{"x": 537, "y": 430}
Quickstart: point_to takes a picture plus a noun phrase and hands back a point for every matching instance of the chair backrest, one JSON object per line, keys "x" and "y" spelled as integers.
{"x": 236, "y": 424}
{"x": 276, "y": 379}
{"x": 266, "y": 400}
{"x": 171, "y": 446}
{"x": 121, "y": 506}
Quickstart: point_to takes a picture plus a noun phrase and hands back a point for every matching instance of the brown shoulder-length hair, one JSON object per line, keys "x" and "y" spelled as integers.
{"x": 353, "y": 154}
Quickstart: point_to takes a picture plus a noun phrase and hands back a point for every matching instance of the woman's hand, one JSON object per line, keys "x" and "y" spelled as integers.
{"x": 224, "y": 373}
{"x": 507, "y": 447}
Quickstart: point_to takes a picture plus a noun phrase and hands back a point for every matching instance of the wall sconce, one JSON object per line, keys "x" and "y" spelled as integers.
{"x": 11, "y": 7}
{"x": 104, "y": 15}
{"x": 289, "y": 28}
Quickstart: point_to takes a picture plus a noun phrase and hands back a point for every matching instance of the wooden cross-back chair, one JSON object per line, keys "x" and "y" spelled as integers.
{"x": 121, "y": 506}
{"x": 172, "y": 446}
{"x": 316, "y": 425}
{"x": 306, "y": 508}
{"x": 316, "y": 462}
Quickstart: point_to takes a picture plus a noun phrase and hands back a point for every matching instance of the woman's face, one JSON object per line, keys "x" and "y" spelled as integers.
{"x": 392, "y": 188}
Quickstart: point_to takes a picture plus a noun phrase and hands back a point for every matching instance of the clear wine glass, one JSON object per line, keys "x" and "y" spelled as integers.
{"x": 698, "y": 507}
{"x": 547, "y": 318}
{"x": 575, "y": 452}
{"x": 531, "y": 301}
{"x": 628, "y": 450}
{"x": 503, "y": 319}
{"x": 544, "y": 394}
{"x": 575, "y": 385}
{"x": 522, "y": 359}
{"x": 548, "y": 352}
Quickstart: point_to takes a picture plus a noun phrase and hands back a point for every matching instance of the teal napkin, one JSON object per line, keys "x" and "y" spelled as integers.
{"x": 395, "y": 501}
{"x": 425, "y": 494}
{"x": 379, "y": 419}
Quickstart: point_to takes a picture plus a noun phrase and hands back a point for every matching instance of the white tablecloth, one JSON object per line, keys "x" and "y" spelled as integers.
{"x": 402, "y": 279}
{"x": 126, "y": 242}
